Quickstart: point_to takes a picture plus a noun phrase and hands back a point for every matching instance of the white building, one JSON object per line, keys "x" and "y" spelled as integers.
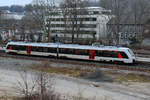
{"x": 93, "y": 24}
{"x": 8, "y": 32}
{"x": 128, "y": 32}
{"x": 11, "y": 15}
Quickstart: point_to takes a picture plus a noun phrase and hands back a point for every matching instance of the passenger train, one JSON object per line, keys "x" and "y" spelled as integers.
{"x": 97, "y": 53}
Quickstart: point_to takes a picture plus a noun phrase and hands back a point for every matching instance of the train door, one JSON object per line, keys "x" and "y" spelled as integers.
{"x": 119, "y": 55}
{"x": 28, "y": 50}
{"x": 92, "y": 54}
{"x": 10, "y": 47}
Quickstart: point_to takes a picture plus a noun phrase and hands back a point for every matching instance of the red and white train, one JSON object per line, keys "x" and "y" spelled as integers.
{"x": 102, "y": 53}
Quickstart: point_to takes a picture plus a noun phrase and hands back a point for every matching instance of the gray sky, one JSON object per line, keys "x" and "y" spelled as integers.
{"x": 18, "y": 2}
{"x": 14, "y": 2}
{"x": 21, "y": 2}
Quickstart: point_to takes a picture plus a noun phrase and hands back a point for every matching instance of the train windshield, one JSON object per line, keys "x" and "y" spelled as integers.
{"x": 131, "y": 52}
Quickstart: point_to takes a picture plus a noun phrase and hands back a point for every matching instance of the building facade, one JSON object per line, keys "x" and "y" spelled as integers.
{"x": 91, "y": 25}
{"x": 11, "y": 15}
{"x": 146, "y": 40}
{"x": 9, "y": 21}
{"x": 127, "y": 32}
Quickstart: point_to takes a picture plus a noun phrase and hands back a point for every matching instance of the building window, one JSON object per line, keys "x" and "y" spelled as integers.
{"x": 95, "y": 12}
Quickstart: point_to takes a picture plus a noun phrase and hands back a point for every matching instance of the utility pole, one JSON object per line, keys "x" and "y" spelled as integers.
{"x": 44, "y": 25}
{"x": 57, "y": 41}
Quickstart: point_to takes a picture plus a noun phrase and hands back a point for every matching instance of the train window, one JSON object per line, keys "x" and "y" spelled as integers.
{"x": 8, "y": 47}
{"x": 13, "y": 47}
{"x": 45, "y": 49}
{"x": 16, "y": 47}
{"x": 102, "y": 53}
{"x": 81, "y": 52}
{"x": 40, "y": 49}
{"x": 52, "y": 50}
{"x": 114, "y": 54}
{"x": 131, "y": 52}
{"x": 67, "y": 51}
{"x": 22, "y": 48}
{"x": 70, "y": 51}
{"x": 37, "y": 49}
{"x": 124, "y": 55}
{"x": 107, "y": 54}
{"x": 34, "y": 49}
{"x": 85, "y": 52}
{"x": 73, "y": 51}
{"x": 77, "y": 52}
{"x": 98, "y": 53}
{"x": 62, "y": 50}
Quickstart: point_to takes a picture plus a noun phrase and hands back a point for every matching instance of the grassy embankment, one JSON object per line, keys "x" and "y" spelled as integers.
{"x": 80, "y": 73}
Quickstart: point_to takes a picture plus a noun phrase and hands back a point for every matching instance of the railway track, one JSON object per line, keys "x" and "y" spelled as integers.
{"x": 139, "y": 66}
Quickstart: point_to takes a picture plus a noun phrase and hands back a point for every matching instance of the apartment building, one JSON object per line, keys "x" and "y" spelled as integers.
{"x": 90, "y": 25}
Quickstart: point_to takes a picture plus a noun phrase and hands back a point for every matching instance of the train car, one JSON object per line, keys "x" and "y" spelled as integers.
{"x": 102, "y": 53}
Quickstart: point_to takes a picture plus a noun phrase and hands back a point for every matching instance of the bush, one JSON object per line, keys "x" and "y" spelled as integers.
{"x": 39, "y": 88}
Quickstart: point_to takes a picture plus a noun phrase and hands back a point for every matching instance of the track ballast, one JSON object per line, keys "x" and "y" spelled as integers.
{"x": 138, "y": 66}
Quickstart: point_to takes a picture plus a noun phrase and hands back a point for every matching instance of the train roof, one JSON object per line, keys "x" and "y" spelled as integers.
{"x": 75, "y": 46}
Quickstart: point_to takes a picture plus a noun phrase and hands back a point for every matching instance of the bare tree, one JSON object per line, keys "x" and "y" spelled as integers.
{"x": 45, "y": 85}
{"x": 73, "y": 10}
{"x": 10, "y": 27}
{"x": 28, "y": 27}
{"x": 147, "y": 29}
{"x": 118, "y": 9}
{"x": 22, "y": 29}
{"x": 36, "y": 86}
{"x": 40, "y": 12}
{"x": 126, "y": 12}
{"x": 25, "y": 87}
{"x": 0, "y": 26}
{"x": 140, "y": 11}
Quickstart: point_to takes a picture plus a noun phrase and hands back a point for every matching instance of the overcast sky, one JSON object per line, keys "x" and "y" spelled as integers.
{"x": 21, "y": 2}
{"x": 14, "y": 2}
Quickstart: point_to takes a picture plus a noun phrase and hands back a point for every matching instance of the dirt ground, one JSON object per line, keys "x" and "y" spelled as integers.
{"x": 71, "y": 86}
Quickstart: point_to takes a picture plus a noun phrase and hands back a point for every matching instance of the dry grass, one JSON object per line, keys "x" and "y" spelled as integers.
{"x": 132, "y": 78}
{"x": 6, "y": 98}
{"x": 45, "y": 67}
{"x": 78, "y": 72}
